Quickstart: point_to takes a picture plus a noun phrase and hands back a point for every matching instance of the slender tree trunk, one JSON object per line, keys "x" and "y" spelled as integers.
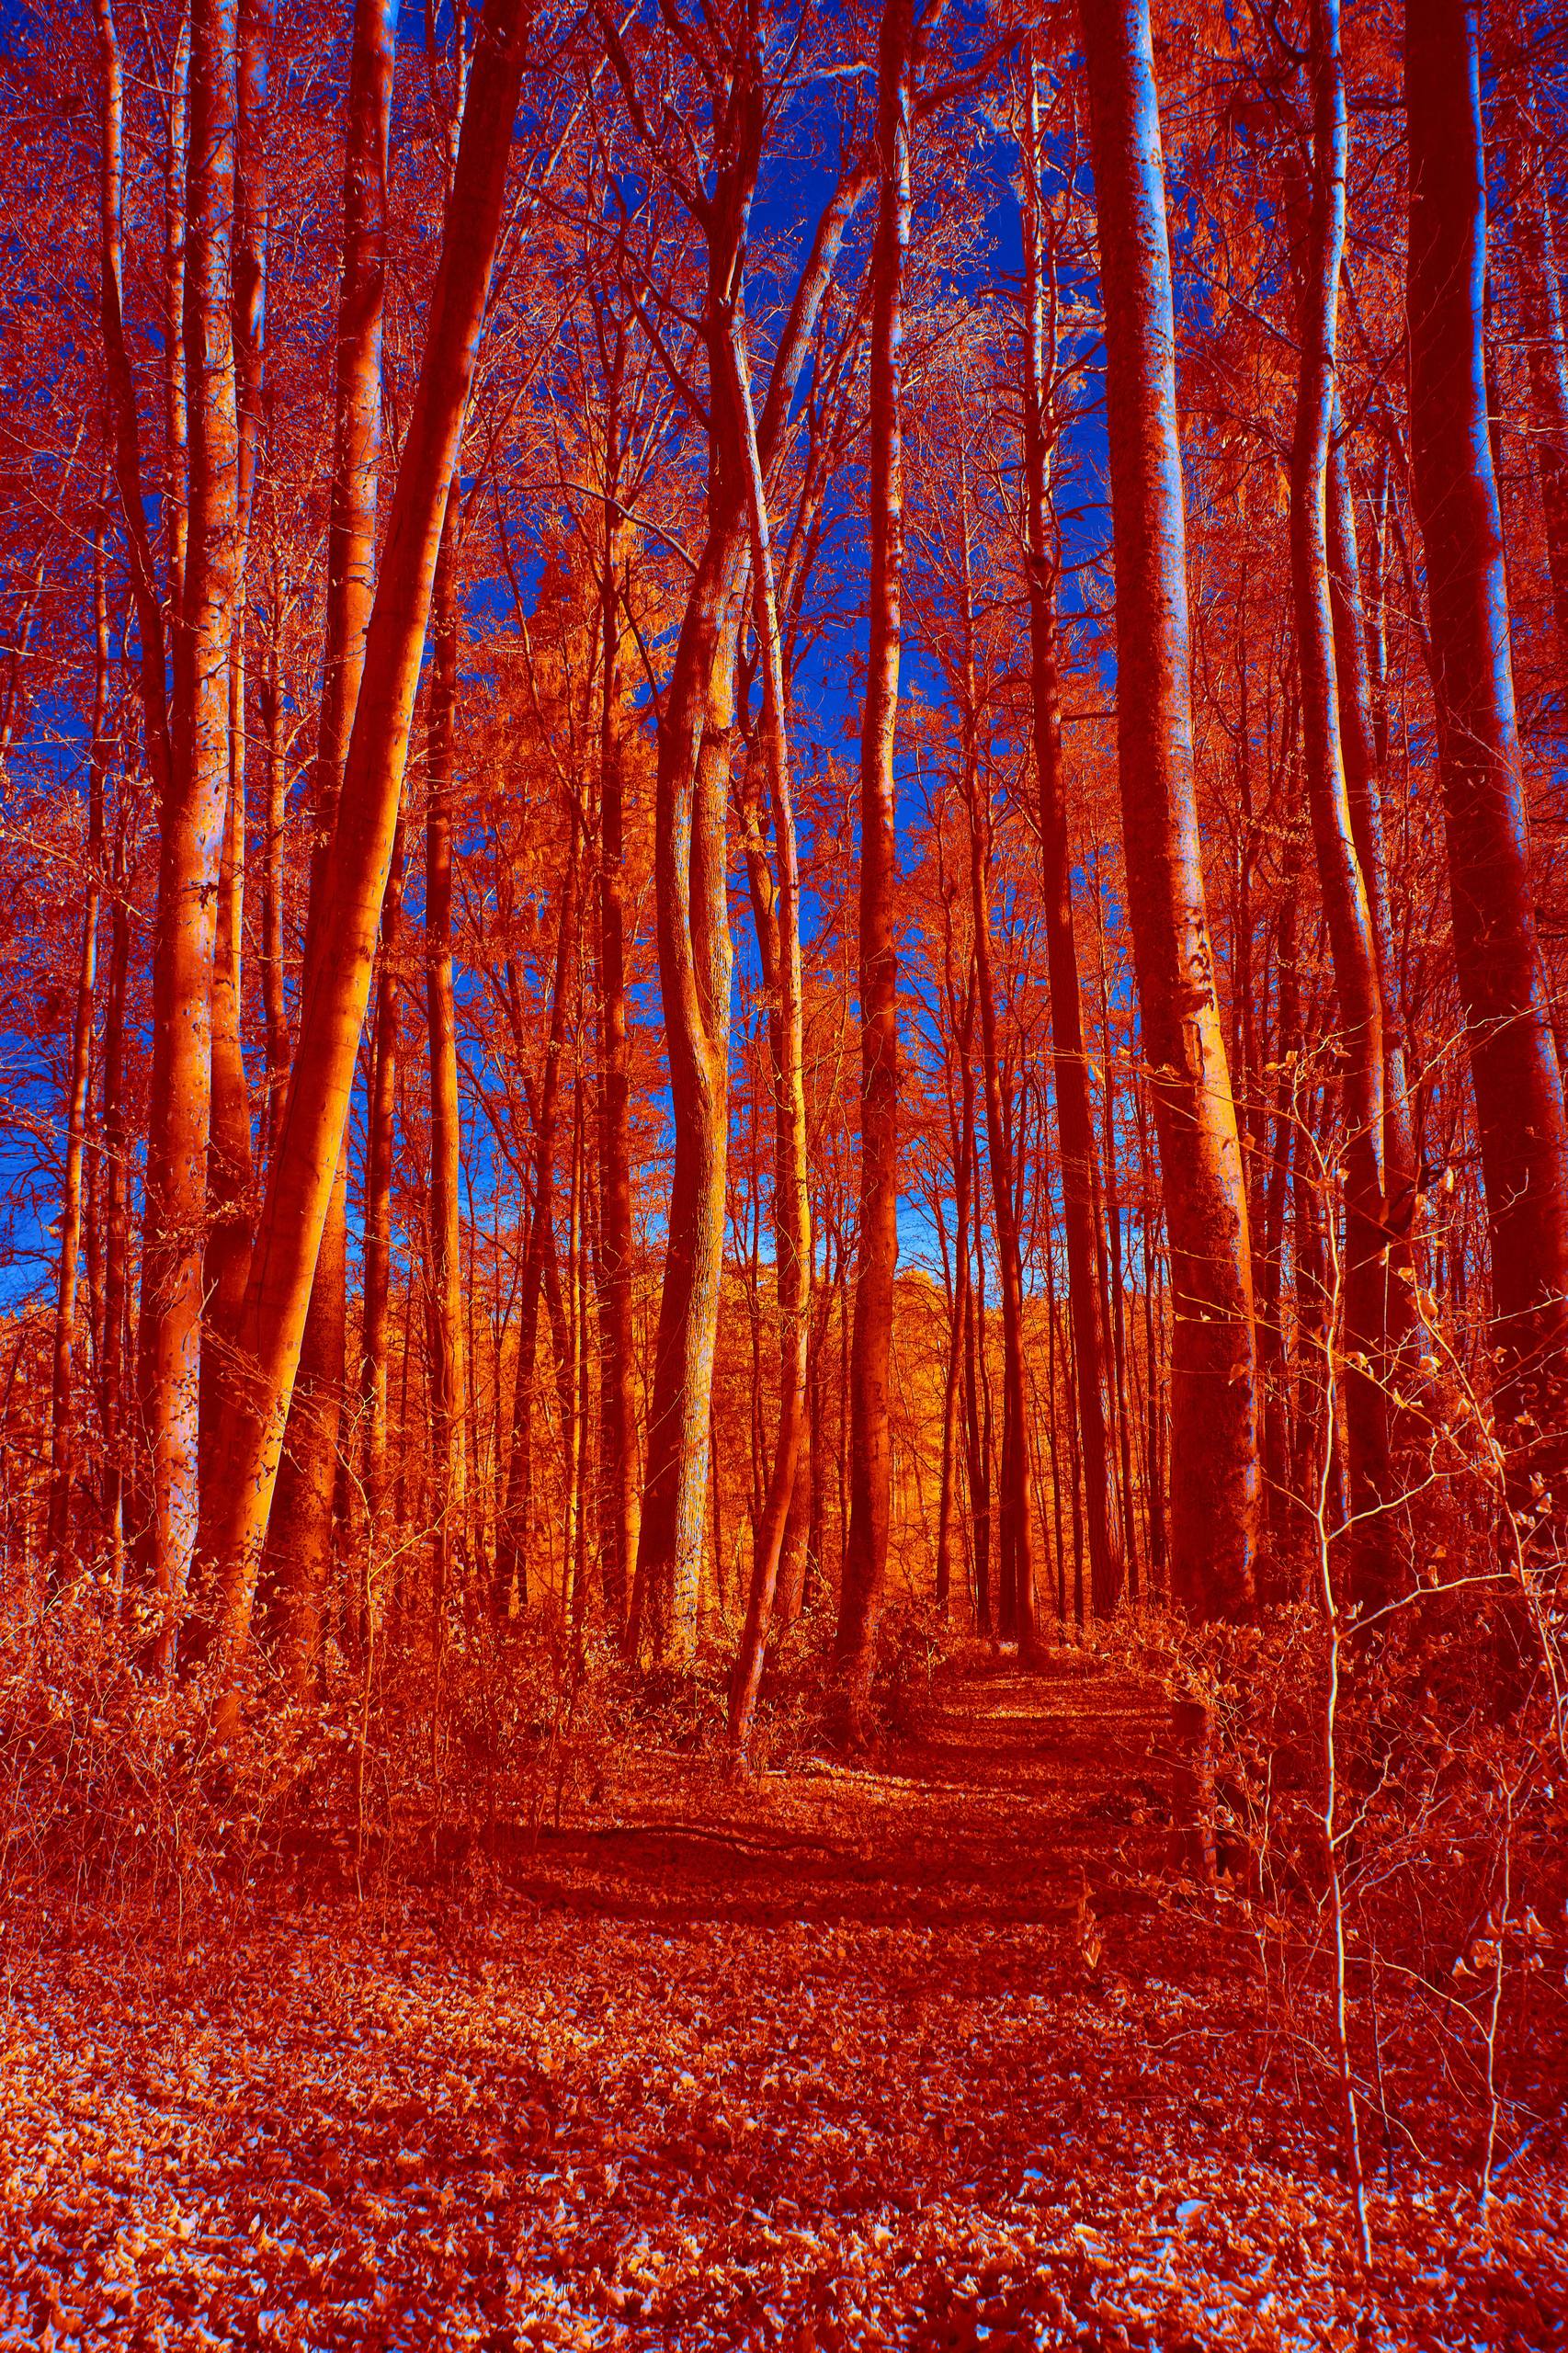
{"x": 1074, "y": 1114}
{"x": 274, "y": 1004}
{"x": 300, "y": 1183}
{"x": 445, "y": 1115}
{"x": 1016, "y": 1513}
{"x": 175, "y": 416}
{"x": 1347, "y": 905}
{"x": 230, "y": 1173}
{"x": 1365, "y": 768}
{"x": 1524, "y": 154}
{"x": 1214, "y": 1464}
{"x": 191, "y": 824}
{"x": 63, "y": 1428}
{"x": 1518, "y": 1084}
{"x": 617, "y": 1399}
{"x": 378, "y": 1217}
{"x": 514, "y": 1533}
{"x": 116, "y": 1226}
{"x": 792, "y": 1208}
{"x": 871, "y": 1444}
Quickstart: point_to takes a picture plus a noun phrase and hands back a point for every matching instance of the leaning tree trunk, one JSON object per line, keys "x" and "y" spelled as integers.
{"x": 1075, "y": 1112}
{"x": 1213, "y": 1399}
{"x": 1519, "y": 1087}
{"x": 301, "y": 1533}
{"x": 337, "y": 978}
{"x": 1346, "y": 907}
{"x": 870, "y": 1441}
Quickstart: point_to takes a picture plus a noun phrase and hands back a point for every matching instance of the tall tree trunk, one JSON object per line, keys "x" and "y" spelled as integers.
{"x": 116, "y": 1225}
{"x": 793, "y": 1207}
{"x": 1074, "y": 1114}
{"x": 1213, "y": 1403}
{"x": 377, "y": 1223}
{"x": 302, "y": 1534}
{"x": 445, "y": 1115}
{"x": 338, "y": 978}
{"x": 617, "y": 1402}
{"x": 176, "y": 416}
{"x": 1364, "y": 769}
{"x": 1017, "y": 1516}
{"x": 871, "y": 1444}
{"x": 514, "y": 1535}
{"x": 274, "y": 1013}
{"x": 1346, "y": 907}
{"x": 1532, "y": 251}
{"x": 63, "y": 1428}
{"x": 231, "y": 1172}
{"x": 1518, "y": 1084}
{"x": 192, "y": 825}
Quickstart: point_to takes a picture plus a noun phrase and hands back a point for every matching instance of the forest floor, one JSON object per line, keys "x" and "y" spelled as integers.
{"x": 940, "y": 2054}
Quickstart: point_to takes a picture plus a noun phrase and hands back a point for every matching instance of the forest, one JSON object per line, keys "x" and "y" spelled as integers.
{"x": 783, "y": 1173}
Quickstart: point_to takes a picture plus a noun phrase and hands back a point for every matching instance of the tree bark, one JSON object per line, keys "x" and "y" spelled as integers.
{"x": 337, "y": 978}
{"x": 618, "y": 1400}
{"x": 793, "y": 1207}
{"x": 377, "y": 1224}
{"x": 1075, "y": 1112}
{"x": 63, "y": 1428}
{"x": 302, "y": 1534}
{"x": 870, "y": 1443}
{"x": 1363, "y": 1342}
{"x": 447, "y": 1408}
{"x": 190, "y": 824}
{"x": 231, "y": 1172}
{"x": 1214, "y": 1403}
{"x": 1532, "y": 249}
{"x": 1514, "y": 1067}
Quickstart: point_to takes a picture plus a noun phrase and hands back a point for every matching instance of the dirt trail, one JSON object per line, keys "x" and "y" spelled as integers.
{"x": 817, "y": 2062}
{"x": 1013, "y": 1793}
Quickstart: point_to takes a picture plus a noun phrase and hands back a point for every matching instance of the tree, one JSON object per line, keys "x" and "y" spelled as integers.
{"x": 1514, "y": 1067}
{"x": 1213, "y": 1402}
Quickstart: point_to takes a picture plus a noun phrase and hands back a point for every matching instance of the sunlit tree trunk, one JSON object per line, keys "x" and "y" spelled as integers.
{"x": 792, "y": 1208}
{"x": 338, "y": 972}
{"x": 1518, "y": 1086}
{"x": 1214, "y": 1403}
{"x": 1075, "y": 1113}
{"x": 301, "y": 1533}
{"x": 63, "y": 1428}
{"x": 191, "y": 824}
{"x": 1346, "y": 907}
{"x": 870, "y": 1446}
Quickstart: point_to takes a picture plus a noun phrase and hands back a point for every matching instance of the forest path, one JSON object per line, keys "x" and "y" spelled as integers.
{"x": 1014, "y": 1793}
